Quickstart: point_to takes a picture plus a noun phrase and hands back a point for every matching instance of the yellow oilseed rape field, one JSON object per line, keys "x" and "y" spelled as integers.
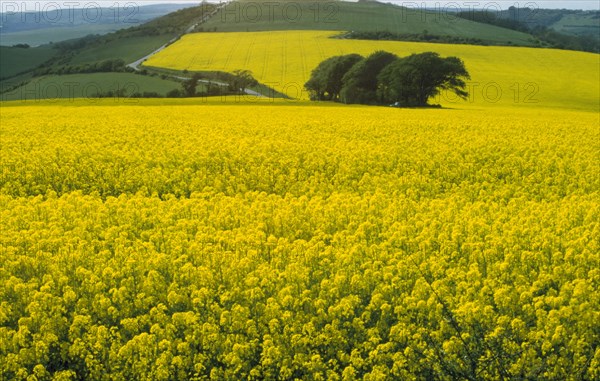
{"x": 501, "y": 76}
{"x": 181, "y": 240}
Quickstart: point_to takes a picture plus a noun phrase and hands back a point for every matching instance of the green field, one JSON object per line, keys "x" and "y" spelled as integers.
{"x": 49, "y": 35}
{"x": 134, "y": 43}
{"x": 260, "y": 16}
{"x": 128, "y": 49}
{"x": 77, "y": 56}
{"x": 18, "y": 60}
{"x": 579, "y": 25}
{"x": 36, "y": 30}
{"x": 88, "y": 86}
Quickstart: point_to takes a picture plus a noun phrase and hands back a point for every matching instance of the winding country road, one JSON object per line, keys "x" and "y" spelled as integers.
{"x": 136, "y": 64}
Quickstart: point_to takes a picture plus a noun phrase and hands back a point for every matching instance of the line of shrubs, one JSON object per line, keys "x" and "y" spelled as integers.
{"x": 175, "y": 93}
{"x": 412, "y": 37}
{"x": 106, "y": 66}
{"x": 210, "y": 92}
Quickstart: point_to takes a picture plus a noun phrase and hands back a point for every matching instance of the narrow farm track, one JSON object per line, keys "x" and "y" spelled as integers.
{"x": 138, "y": 63}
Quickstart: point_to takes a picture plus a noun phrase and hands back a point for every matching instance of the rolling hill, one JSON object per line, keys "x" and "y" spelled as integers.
{"x": 247, "y": 16}
{"x": 585, "y": 23}
{"x": 54, "y": 23}
{"x": 14, "y": 61}
{"x": 20, "y": 66}
{"x": 274, "y": 57}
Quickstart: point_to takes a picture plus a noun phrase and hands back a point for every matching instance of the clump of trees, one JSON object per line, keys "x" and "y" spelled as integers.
{"x": 227, "y": 84}
{"x": 241, "y": 80}
{"x": 384, "y": 78}
{"x": 189, "y": 86}
{"x": 326, "y": 81}
{"x": 360, "y": 82}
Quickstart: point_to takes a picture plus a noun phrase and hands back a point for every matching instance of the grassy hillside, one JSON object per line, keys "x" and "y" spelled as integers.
{"x": 78, "y": 55}
{"x": 126, "y": 44}
{"x": 42, "y": 28}
{"x": 18, "y": 60}
{"x": 259, "y": 16}
{"x": 128, "y": 49}
{"x": 569, "y": 21}
{"x": 579, "y": 24}
{"x": 132, "y": 43}
{"x": 39, "y": 37}
{"x": 500, "y": 75}
{"x": 88, "y": 86}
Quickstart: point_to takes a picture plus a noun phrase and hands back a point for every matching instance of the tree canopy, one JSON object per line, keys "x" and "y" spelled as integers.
{"x": 241, "y": 80}
{"x": 384, "y": 78}
{"x": 189, "y": 86}
{"x": 326, "y": 80}
{"x": 413, "y": 80}
{"x": 360, "y": 82}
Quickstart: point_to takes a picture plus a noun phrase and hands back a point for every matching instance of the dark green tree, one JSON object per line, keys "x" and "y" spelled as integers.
{"x": 241, "y": 80}
{"x": 189, "y": 86}
{"x": 413, "y": 80}
{"x": 360, "y": 82}
{"x": 325, "y": 82}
